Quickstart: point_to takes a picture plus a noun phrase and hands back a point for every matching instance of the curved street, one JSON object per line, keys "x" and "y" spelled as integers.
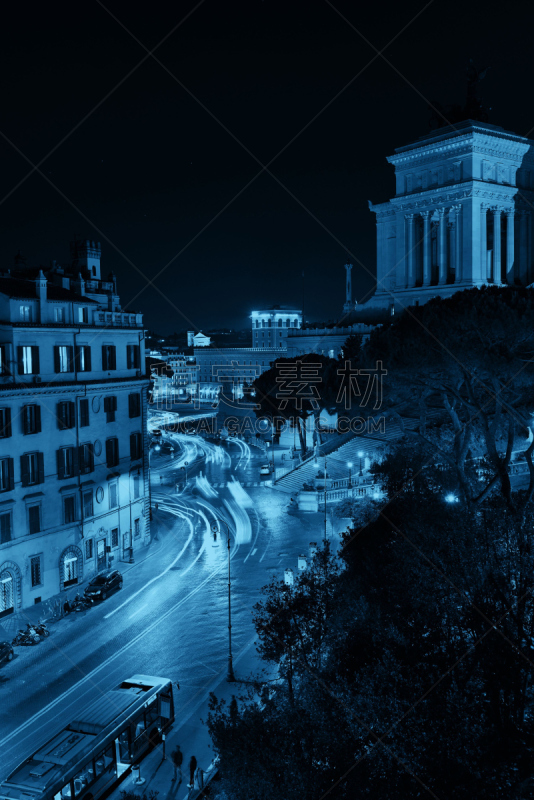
{"x": 171, "y": 617}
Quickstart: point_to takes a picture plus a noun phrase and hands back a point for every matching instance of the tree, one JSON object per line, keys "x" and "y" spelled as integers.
{"x": 295, "y": 390}
{"x": 470, "y": 359}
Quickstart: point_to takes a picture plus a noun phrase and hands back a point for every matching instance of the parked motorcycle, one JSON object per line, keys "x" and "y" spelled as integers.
{"x": 81, "y": 603}
{"x": 26, "y": 638}
{"x": 40, "y": 628}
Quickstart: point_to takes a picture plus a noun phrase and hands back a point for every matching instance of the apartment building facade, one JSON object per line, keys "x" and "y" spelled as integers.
{"x": 74, "y": 484}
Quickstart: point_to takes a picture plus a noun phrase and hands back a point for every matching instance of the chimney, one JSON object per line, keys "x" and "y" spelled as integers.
{"x": 79, "y": 285}
{"x": 40, "y": 285}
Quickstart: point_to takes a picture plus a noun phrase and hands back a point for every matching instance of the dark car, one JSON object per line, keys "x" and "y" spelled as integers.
{"x": 104, "y": 584}
{"x": 6, "y": 652}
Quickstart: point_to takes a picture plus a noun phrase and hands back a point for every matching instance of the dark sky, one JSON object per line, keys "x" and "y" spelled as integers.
{"x": 149, "y": 169}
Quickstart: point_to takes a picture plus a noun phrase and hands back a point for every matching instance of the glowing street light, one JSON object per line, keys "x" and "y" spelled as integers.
{"x": 451, "y": 498}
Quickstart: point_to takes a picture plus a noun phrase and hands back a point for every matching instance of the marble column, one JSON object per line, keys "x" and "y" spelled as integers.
{"x": 496, "y": 245}
{"x": 427, "y": 249}
{"x": 483, "y": 243}
{"x": 411, "y": 250}
{"x": 458, "y": 242}
{"x": 523, "y": 247}
{"x": 510, "y": 254}
{"x": 442, "y": 246}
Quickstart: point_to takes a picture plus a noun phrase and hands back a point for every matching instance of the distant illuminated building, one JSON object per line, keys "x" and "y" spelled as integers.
{"x": 271, "y": 326}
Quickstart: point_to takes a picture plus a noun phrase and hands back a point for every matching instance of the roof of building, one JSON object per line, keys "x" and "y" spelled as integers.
{"x": 27, "y": 290}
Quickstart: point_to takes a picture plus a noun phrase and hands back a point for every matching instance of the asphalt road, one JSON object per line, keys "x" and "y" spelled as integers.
{"x": 171, "y": 617}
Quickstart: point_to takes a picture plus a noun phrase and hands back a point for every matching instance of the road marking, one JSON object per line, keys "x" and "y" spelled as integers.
{"x": 152, "y": 580}
{"x": 138, "y": 611}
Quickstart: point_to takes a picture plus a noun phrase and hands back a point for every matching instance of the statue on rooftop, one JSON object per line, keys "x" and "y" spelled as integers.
{"x": 443, "y": 116}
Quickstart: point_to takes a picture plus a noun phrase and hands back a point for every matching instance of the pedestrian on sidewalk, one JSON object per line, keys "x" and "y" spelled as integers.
{"x": 192, "y": 768}
{"x": 177, "y": 758}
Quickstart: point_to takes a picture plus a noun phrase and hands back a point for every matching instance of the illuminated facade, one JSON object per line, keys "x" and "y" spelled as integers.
{"x": 461, "y": 216}
{"x": 271, "y": 326}
{"x": 73, "y": 444}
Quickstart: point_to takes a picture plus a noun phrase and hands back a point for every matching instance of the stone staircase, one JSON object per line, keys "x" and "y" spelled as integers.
{"x": 338, "y": 455}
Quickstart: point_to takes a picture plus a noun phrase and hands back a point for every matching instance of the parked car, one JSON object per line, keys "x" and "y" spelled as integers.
{"x": 104, "y": 584}
{"x": 265, "y": 469}
{"x": 6, "y": 652}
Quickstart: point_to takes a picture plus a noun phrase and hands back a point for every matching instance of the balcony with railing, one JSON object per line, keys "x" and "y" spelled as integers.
{"x": 118, "y": 319}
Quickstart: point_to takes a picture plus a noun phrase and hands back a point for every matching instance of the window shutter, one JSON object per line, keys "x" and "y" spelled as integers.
{"x": 91, "y": 458}
{"x": 37, "y": 419}
{"x": 75, "y": 465}
{"x": 20, "y": 360}
{"x": 78, "y": 358}
{"x": 87, "y": 359}
{"x": 109, "y": 452}
{"x": 131, "y": 405}
{"x": 72, "y": 414}
{"x": 40, "y": 467}
{"x": 61, "y": 416}
{"x": 35, "y": 361}
{"x": 113, "y": 359}
{"x": 133, "y": 447}
{"x": 25, "y": 420}
{"x": 104, "y": 357}
{"x": 25, "y": 470}
{"x": 57, "y": 365}
{"x": 7, "y": 422}
{"x": 107, "y": 404}
{"x": 10, "y": 474}
{"x": 60, "y": 463}
{"x": 70, "y": 358}
{"x": 84, "y": 413}
{"x": 129, "y": 358}
{"x": 113, "y": 403}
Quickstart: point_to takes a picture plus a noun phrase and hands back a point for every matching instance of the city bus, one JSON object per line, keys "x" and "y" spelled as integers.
{"x": 91, "y": 754}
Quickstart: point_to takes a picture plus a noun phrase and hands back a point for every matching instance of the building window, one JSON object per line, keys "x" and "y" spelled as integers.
{"x": 132, "y": 356}
{"x": 83, "y": 314}
{"x": 70, "y": 567}
{"x": 35, "y": 567}
{"x": 69, "y": 509}
{"x": 7, "y": 481}
{"x": 88, "y": 504}
{"x": 25, "y": 313}
{"x": 136, "y": 446}
{"x": 66, "y": 415}
{"x": 63, "y": 358}
{"x": 5, "y": 527}
{"x": 112, "y": 452}
{"x": 88, "y": 548}
{"x": 110, "y": 406}
{"x": 114, "y": 537}
{"x": 28, "y": 360}
{"x": 86, "y": 461}
{"x": 136, "y": 487}
{"x": 32, "y": 468}
{"x": 67, "y": 463}
{"x": 83, "y": 358}
{"x": 5, "y": 423}
{"x": 59, "y": 314}
{"x": 84, "y": 413}
{"x": 109, "y": 361}
{"x": 134, "y": 405}
{"x": 31, "y": 419}
{"x": 34, "y": 518}
{"x": 3, "y": 361}
{"x": 137, "y": 528}
{"x": 113, "y": 495}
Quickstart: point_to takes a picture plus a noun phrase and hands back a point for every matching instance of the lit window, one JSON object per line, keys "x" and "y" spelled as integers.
{"x": 25, "y": 313}
{"x": 59, "y": 314}
{"x": 35, "y": 563}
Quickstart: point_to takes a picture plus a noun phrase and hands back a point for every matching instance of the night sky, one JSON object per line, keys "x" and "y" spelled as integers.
{"x": 157, "y": 170}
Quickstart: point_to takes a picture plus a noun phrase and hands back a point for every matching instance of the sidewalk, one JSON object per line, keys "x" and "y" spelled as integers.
{"x": 191, "y": 735}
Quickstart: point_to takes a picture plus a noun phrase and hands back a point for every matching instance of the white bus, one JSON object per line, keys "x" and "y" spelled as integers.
{"x": 91, "y": 754}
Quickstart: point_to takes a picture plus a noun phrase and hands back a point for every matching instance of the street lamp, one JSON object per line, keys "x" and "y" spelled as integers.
{"x": 230, "y": 674}
{"x": 451, "y": 498}
{"x": 349, "y": 465}
{"x": 360, "y": 456}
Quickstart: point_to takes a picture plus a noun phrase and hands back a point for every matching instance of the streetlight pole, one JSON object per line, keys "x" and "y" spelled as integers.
{"x": 349, "y": 465}
{"x": 230, "y": 673}
{"x": 360, "y": 456}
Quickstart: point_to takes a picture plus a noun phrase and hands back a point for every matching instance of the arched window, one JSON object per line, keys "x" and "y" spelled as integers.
{"x": 10, "y": 588}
